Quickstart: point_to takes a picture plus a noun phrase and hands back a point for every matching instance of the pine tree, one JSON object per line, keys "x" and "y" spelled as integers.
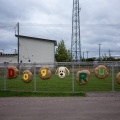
{"x": 62, "y": 54}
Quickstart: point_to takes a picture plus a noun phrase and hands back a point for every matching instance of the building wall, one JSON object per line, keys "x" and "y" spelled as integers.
{"x": 36, "y": 50}
{"x": 8, "y": 58}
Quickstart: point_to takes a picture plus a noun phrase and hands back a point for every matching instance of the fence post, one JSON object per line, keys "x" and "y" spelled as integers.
{"x": 34, "y": 77}
{"x": 72, "y": 77}
{"x": 113, "y": 78}
{"x": 5, "y": 74}
{"x": 110, "y": 69}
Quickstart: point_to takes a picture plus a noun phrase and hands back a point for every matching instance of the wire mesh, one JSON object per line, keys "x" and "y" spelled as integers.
{"x": 68, "y": 84}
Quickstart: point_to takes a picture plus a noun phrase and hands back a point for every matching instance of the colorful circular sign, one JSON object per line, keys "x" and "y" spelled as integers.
{"x": 27, "y": 76}
{"x": 45, "y": 73}
{"x": 101, "y": 72}
{"x": 62, "y": 72}
{"x": 82, "y": 77}
{"x": 118, "y": 78}
{"x": 12, "y": 72}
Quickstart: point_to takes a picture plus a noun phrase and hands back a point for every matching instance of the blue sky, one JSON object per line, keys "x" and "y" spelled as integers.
{"x": 52, "y": 19}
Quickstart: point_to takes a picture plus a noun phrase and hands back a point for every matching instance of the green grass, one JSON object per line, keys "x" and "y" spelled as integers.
{"x": 55, "y": 86}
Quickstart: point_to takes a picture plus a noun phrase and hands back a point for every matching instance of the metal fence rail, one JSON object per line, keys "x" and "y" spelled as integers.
{"x": 57, "y": 84}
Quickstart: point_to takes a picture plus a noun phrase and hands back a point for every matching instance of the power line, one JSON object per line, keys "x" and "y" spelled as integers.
{"x": 69, "y": 25}
{"x": 12, "y": 24}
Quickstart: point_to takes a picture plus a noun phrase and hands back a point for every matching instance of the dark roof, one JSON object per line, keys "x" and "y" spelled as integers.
{"x": 22, "y": 36}
{"x": 1, "y": 54}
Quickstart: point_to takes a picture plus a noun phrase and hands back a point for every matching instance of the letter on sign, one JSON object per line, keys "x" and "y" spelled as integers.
{"x": 43, "y": 72}
{"x": 11, "y": 72}
{"x": 101, "y": 72}
{"x": 25, "y": 76}
{"x": 82, "y": 76}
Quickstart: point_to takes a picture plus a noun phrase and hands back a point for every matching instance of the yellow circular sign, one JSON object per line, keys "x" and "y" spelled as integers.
{"x": 45, "y": 73}
{"x": 27, "y": 76}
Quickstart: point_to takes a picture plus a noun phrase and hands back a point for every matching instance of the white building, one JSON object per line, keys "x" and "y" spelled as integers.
{"x": 8, "y": 58}
{"x": 37, "y": 50}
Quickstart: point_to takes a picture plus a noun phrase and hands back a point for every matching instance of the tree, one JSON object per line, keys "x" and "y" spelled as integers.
{"x": 91, "y": 59}
{"x": 62, "y": 54}
{"x": 107, "y": 58}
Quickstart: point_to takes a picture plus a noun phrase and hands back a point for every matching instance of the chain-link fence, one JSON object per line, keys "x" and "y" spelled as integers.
{"x": 55, "y": 83}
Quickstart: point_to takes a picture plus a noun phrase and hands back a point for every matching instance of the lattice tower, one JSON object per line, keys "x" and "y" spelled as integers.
{"x": 75, "y": 40}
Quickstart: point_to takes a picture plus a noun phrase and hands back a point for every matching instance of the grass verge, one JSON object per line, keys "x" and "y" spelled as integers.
{"x": 38, "y": 94}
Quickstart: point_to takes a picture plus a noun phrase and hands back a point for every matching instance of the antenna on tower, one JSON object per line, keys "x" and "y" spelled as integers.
{"x": 75, "y": 40}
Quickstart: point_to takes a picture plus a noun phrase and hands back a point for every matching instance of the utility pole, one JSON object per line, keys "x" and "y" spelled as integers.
{"x": 87, "y": 54}
{"x": 83, "y": 55}
{"x": 75, "y": 40}
{"x": 18, "y": 41}
{"x": 109, "y": 53}
{"x": 99, "y": 52}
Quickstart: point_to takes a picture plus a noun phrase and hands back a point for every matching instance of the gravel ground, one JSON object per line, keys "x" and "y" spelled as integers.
{"x": 97, "y": 106}
{"x": 103, "y": 94}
